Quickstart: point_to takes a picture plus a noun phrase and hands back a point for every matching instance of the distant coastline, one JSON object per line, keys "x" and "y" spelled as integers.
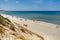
{"x": 1, "y": 10}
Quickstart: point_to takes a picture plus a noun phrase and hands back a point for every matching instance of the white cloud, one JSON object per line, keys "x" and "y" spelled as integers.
{"x": 17, "y": 1}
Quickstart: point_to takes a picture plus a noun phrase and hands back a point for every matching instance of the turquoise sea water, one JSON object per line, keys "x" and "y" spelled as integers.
{"x": 47, "y": 16}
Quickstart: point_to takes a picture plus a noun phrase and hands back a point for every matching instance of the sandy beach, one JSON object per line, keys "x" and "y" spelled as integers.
{"x": 48, "y": 31}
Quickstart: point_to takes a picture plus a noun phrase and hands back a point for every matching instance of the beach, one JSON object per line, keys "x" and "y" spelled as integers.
{"x": 47, "y": 30}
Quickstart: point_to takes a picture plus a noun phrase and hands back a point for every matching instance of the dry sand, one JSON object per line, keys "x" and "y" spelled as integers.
{"x": 48, "y": 31}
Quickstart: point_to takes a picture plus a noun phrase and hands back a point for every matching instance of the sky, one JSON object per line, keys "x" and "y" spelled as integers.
{"x": 30, "y": 5}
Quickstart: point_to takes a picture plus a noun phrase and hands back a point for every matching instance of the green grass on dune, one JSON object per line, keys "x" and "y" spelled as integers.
{"x": 4, "y": 20}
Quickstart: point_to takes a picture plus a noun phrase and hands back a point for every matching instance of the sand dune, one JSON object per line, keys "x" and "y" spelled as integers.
{"x": 48, "y": 31}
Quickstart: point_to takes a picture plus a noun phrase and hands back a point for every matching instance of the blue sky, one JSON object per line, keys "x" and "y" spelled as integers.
{"x": 30, "y": 5}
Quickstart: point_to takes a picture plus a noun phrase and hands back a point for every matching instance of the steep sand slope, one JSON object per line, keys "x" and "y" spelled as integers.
{"x": 48, "y": 30}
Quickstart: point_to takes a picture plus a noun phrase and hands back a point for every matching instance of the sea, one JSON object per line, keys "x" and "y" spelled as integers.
{"x": 46, "y": 16}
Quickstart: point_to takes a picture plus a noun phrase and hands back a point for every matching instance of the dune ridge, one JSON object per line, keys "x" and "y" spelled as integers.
{"x": 48, "y": 31}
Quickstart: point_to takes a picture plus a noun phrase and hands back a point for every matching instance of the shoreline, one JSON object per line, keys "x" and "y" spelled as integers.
{"x": 33, "y": 21}
{"x": 56, "y": 21}
{"x": 47, "y": 30}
